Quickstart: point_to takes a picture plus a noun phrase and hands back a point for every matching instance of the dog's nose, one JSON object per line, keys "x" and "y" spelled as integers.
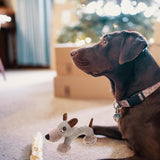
{"x": 47, "y": 136}
{"x": 74, "y": 53}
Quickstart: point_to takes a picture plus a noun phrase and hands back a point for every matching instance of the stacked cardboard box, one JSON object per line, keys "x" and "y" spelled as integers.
{"x": 155, "y": 48}
{"x": 155, "y": 51}
{"x": 71, "y": 82}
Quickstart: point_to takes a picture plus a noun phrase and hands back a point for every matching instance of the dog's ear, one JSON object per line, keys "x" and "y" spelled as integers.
{"x": 73, "y": 122}
{"x": 64, "y": 116}
{"x": 131, "y": 46}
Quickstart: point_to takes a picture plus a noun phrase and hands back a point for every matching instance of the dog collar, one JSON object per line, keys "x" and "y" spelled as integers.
{"x": 135, "y": 99}
{"x": 138, "y": 97}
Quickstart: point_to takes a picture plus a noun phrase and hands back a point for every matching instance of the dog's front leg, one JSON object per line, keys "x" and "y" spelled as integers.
{"x": 129, "y": 158}
{"x": 111, "y": 132}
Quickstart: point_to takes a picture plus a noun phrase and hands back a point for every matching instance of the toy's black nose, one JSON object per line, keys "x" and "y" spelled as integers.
{"x": 47, "y": 136}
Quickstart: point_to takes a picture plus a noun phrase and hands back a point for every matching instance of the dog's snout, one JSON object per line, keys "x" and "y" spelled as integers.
{"x": 74, "y": 53}
{"x": 47, "y": 136}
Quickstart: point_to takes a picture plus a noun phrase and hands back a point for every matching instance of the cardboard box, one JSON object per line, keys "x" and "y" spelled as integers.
{"x": 157, "y": 33}
{"x": 82, "y": 87}
{"x": 64, "y": 63}
{"x": 155, "y": 52}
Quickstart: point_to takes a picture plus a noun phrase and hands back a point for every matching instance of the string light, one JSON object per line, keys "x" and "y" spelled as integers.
{"x": 5, "y": 18}
{"x": 113, "y": 9}
{"x": 115, "y": 26}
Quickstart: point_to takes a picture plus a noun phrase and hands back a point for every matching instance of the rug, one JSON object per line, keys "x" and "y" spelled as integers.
{"x": 28, "y": 106}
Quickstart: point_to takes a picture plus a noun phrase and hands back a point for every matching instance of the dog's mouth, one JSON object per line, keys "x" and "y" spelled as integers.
{"x": 79, "y": 60}
{"x": 93, "y": 74}
{"x": 85, "y": 66}
{"x": 96, "y": 74}
{"x": 81, "y": 63}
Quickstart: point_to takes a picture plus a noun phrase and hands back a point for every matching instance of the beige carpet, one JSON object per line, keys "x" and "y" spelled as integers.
{"x": 27, "y": 105}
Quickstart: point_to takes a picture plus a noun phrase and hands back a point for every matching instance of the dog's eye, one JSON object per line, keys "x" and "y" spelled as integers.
{"x": 63, "y": 129}
{"x": 105, "y": 41}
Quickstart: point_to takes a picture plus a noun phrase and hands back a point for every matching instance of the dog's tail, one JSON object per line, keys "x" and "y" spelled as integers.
{"x": 91, "y": 122}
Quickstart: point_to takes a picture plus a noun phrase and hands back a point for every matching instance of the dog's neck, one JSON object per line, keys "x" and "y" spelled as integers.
{"x": 134, "y": 76}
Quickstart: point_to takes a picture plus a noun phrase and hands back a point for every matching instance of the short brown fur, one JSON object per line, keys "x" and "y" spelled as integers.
{"x": 119, "y": 57}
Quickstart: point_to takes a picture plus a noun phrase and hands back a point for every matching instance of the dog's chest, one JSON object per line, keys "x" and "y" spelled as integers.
{"x": 135, "y": 120}
{"x": 131, "y": 120}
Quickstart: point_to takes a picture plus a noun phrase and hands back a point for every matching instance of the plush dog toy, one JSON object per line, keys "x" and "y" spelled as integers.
{"x": 67, "y": 130}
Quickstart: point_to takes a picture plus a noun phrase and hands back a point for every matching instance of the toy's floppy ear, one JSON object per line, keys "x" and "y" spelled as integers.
{"x": 64, "y": 116}
{"x": 73, "y": 122}
{"x": 131, "y": 46}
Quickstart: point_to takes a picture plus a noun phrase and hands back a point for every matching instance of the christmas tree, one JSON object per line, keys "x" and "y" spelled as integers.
{"x": 98, "y": 17}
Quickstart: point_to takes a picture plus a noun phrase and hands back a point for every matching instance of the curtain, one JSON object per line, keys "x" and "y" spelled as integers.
{"x": 34, "y": 23}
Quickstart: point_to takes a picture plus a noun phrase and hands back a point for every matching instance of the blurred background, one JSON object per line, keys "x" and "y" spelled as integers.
{"x": 30, "y": 30}
{"x": 38, "y": 80}
{"x": 40, "y": 34}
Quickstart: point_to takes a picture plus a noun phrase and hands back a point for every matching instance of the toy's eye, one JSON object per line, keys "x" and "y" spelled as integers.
{"x": 63, "y": 129}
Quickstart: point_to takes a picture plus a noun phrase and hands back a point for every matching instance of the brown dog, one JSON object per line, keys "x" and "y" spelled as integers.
{"x": 135, "y": 79}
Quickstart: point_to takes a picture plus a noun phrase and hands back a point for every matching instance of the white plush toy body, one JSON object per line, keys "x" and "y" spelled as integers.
{"x": 67, "y": 130}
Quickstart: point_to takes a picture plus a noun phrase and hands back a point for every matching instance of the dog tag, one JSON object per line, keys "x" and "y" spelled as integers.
{"x": 116, "y": 117}
{"x": 117, "y": 114}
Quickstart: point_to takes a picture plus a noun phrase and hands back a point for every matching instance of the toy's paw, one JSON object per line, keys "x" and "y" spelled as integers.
{"x": 90, "y": 140}
{"x": 63, "y": 148}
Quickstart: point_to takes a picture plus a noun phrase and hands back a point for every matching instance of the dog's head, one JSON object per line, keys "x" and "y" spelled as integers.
{"x": 109, "y": 53}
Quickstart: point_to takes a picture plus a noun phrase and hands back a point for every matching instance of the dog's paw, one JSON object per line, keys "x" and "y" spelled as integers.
{"x": 90, "y": 140}
{"x": 63, "y": 148}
